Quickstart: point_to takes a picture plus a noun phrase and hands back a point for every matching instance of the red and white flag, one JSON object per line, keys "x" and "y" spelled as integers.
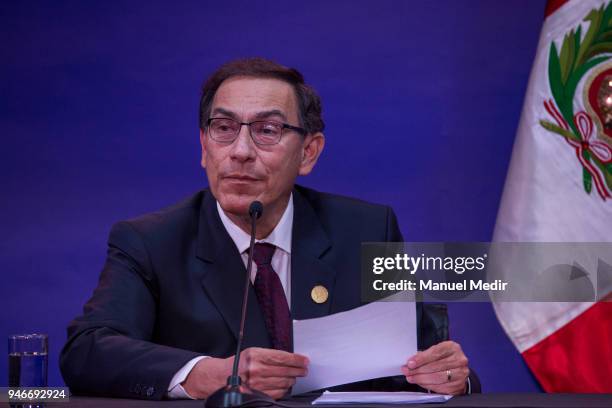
{"x": 559, "y": 189}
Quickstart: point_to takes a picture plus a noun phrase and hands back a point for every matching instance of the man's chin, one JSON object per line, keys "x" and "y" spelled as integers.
{"x": 237, "y": 204}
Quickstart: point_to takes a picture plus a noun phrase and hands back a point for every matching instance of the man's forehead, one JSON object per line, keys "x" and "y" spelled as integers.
{"x": 253, "y": 96}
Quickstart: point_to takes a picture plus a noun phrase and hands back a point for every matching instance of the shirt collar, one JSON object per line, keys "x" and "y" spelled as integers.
{"x": 279, "y": 237}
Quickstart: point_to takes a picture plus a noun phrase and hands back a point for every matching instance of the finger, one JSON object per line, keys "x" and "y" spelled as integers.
{"x": 260, "y": 369}
{"x": 253, "y": 355}
{"x": 427, "y": 379}
{"x": 437, "y": 378}
{"x": 283, "y": 358}
{"x": 272, "y": 383}
{"x": 436, "y": 352}
{"x": 454, "y": 361}
{"x": 432, "y": 367}
{"x": 451, "y": 388}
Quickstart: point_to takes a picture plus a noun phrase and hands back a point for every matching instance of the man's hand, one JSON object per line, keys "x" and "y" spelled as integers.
{"x": 208, "y": 375}
{"x": 270, "y": 371}
{"x": 430, "y": 369}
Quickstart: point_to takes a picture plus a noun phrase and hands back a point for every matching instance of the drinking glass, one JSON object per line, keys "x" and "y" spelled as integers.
{"x": 28, "y": 360}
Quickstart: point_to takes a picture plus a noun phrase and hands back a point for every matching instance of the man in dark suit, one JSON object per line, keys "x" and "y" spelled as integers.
{"x": 163, "y": 320}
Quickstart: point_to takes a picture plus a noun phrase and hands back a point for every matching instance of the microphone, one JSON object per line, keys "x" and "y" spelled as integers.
{"x": 235, "y": 394}
{"x": 255, "y": 211}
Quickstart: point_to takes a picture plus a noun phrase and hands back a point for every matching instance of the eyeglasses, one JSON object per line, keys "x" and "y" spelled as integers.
{"x": 263, "y": 132}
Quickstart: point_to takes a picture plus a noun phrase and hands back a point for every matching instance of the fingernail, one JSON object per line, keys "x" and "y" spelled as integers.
{"x": 411, "y": 363}
{"x": 409, "y": 378}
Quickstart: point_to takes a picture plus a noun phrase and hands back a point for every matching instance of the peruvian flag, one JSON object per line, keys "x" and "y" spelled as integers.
{"x": 559, "y": 189}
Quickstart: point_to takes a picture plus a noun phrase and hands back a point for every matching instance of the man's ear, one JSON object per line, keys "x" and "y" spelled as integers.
{"x": 203, "y": 144}
{"x": 311, "y": 150}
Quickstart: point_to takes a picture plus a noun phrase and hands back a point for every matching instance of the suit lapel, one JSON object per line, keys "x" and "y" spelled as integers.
{"x": 224, "y": 271}
{"x": 224, "y": 276}
{"x": 309, "y": 243}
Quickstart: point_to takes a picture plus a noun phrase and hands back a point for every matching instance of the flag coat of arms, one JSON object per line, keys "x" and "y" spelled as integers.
{"x": 559, "y": 189}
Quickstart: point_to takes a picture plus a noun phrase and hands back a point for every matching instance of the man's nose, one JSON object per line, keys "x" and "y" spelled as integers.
{"x": 243, "y": 148}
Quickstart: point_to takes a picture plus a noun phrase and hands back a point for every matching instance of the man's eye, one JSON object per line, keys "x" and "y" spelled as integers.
{"x": 268, "y": 129}
{"x": 224, "y": 126}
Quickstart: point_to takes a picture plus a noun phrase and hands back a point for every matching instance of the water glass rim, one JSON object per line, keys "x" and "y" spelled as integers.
{"x": 28, "y": 336}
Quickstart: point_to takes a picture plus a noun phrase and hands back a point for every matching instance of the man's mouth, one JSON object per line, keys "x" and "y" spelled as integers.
{"x": 240, "y": 178}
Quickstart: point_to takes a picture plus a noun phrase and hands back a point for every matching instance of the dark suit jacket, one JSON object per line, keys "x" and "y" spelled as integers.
{"x": 172, "y": 285}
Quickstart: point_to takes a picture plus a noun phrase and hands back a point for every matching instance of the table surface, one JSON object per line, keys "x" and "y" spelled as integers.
{"x": 522, "y": 400}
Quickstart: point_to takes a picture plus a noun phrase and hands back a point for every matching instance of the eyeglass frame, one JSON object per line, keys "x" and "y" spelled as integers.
{"x": 283, "y": 125}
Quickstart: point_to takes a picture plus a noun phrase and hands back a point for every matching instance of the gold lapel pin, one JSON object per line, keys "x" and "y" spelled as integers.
{"x": 319, "y": 294}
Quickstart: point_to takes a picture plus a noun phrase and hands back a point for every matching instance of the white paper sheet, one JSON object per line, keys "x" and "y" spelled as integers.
{"x": 379, "y": 398}
{"x": 370, "y": 341}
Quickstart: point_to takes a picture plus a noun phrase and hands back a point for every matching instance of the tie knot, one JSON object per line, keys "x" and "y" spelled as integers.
{"x": 262, "y": 254}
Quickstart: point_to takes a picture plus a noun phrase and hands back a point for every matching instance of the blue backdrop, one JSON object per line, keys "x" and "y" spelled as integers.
{"x": 98, "y": 120}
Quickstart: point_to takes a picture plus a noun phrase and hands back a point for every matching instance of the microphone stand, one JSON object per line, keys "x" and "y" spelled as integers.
{"x": 236, "y": 394}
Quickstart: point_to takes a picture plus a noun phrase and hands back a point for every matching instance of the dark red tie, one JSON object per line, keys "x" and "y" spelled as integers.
{"x": 271, "y": 297}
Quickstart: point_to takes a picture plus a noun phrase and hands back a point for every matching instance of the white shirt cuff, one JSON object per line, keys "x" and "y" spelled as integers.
{"x": 175, "y": 389}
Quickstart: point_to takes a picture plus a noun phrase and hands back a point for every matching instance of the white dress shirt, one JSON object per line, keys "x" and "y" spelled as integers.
{"x": 281, "y": 262}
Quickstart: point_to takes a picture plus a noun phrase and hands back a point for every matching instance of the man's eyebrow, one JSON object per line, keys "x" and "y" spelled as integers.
{"x": 224, "y": 112}
{"x": 258, "y": 116}
{"x": 269, "y": 113}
